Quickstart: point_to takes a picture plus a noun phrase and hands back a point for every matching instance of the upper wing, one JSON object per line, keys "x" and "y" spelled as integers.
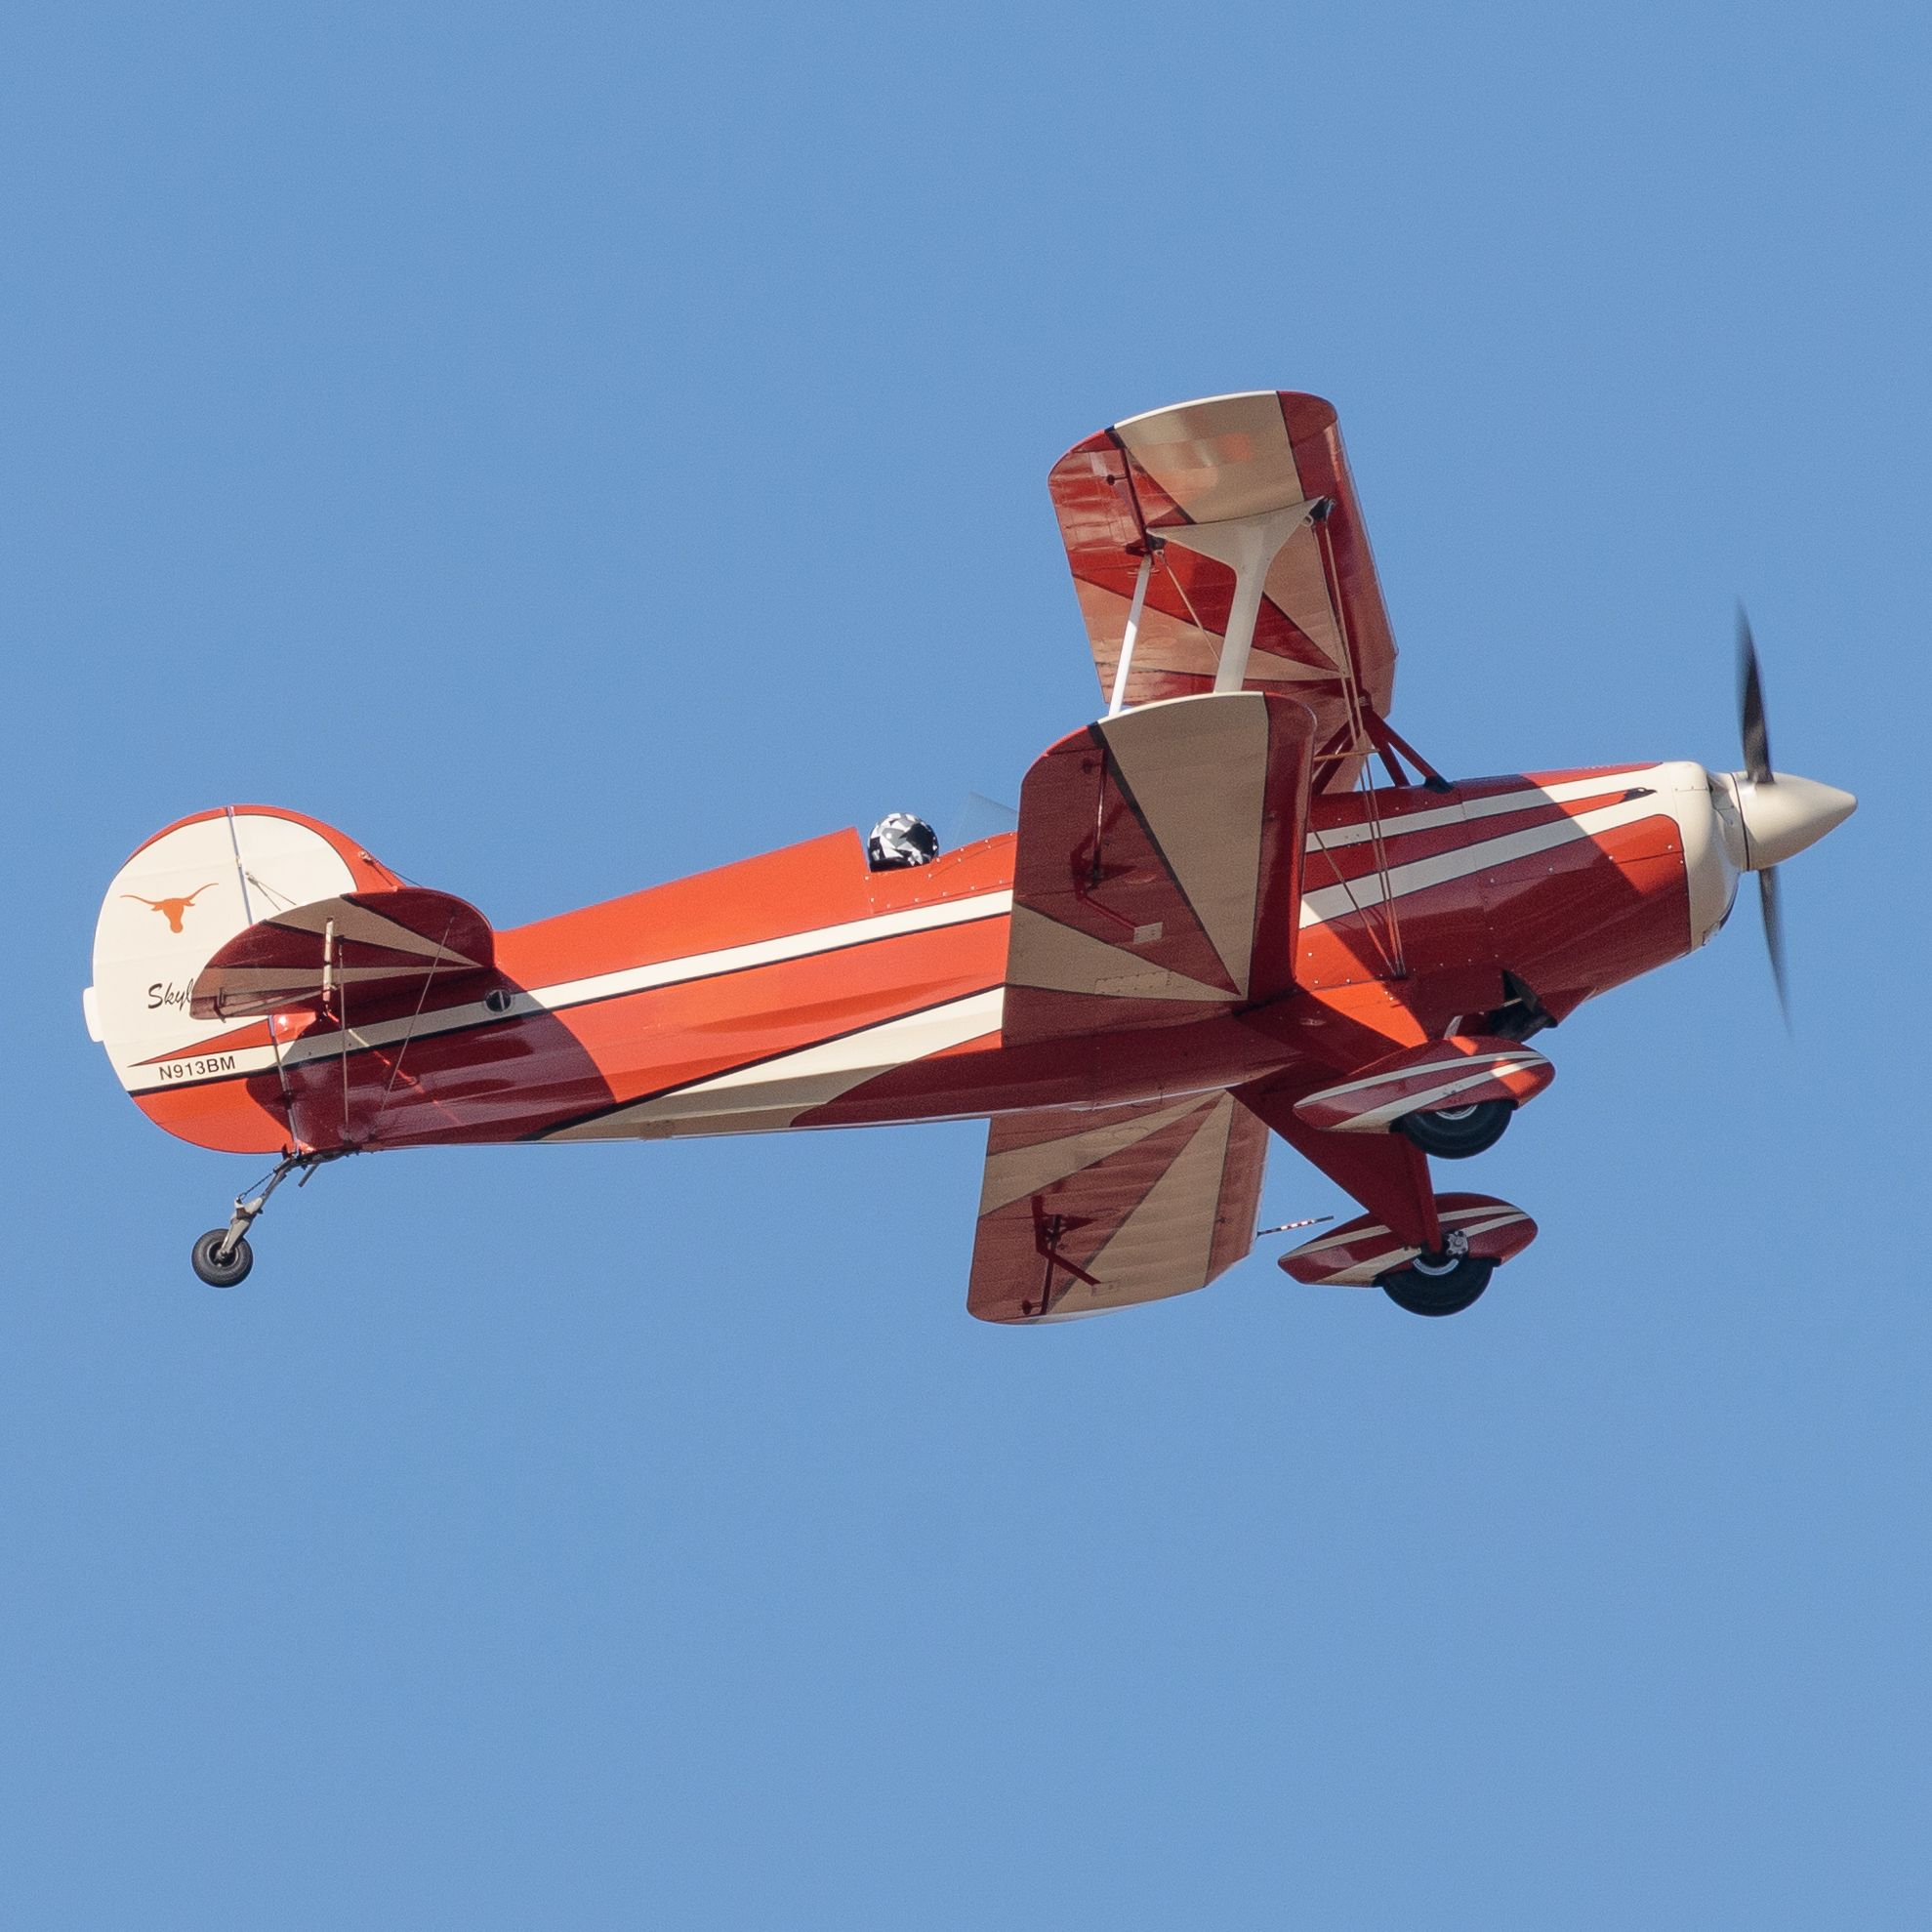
{"x": 1080, "y": 1212}
{"x": 1158, "y": 871}
{"x": 1322, "y": 626}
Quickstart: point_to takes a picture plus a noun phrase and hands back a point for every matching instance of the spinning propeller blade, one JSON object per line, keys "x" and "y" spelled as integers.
{"x": 1750, "y": 705}
{"x": 1774, "y": 938}
{"x": 1755, "y": 734}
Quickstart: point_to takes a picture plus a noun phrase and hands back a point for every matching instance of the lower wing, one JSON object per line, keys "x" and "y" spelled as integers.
{"x": 1083, "y": 1212}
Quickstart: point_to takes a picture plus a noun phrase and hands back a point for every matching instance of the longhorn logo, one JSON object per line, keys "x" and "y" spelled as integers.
{"x": 172, "y": 910}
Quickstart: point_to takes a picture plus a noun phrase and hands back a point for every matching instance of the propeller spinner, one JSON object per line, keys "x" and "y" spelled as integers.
{"x": 1769, "y": 816}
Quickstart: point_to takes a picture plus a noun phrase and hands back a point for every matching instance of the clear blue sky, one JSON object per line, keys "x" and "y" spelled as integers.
{"x": 570, "y": 446}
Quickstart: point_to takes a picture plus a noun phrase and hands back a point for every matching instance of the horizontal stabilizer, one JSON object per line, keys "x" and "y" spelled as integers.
{"x": 357, "y": 953}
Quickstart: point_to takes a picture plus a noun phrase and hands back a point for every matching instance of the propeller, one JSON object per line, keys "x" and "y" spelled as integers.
{"x": 1755, "y": 734}
{"x": 1751, "y": 726}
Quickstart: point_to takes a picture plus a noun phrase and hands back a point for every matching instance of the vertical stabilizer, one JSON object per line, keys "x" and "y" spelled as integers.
{"x": 186, "y": 892}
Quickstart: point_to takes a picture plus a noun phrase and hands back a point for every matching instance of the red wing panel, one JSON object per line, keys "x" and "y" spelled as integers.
{"x": 1322, "y": 622}
{"x": 1158, "y": 870}
{"x": 1083, "y": 1211}
{"x": 360, "y": 952}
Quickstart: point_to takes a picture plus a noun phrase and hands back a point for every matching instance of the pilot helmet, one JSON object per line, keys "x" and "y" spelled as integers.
{"x": 901, "y": 839}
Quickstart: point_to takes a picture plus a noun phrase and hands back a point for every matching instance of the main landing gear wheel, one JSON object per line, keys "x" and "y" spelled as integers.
{"x": 1454, "y": 1133}
{"x": 1438, "y": 1284}
{"x": 220, "y": 1262}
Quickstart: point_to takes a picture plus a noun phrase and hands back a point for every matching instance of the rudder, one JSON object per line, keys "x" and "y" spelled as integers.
{"x": 182, "y": 897}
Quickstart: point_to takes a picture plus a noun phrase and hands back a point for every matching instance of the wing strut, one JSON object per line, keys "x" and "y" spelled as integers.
{"x": 1387, "y": 1174}
{"x": 1248, "y": 546}
{"x": 1360, "y": 710}
{"x": 1118, "y": 701}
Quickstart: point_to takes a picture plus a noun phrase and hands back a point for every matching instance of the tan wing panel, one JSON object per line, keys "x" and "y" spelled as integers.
{"x": 1083, "y": 1211}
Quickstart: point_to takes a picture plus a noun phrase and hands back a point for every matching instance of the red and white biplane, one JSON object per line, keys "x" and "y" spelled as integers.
{"x": 1239, "y": 904}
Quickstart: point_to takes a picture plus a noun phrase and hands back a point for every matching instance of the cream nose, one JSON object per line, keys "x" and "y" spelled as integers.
{"x": 1778, "y": 818}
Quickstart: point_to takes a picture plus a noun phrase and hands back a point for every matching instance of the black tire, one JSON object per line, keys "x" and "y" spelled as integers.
{"x": 1454, "y": 1133}
{"x": 218, "y": 1264}
{"x": 1437, "y": 1287}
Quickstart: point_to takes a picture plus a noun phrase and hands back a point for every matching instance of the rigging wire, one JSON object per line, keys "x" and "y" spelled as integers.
{"x": 1364, "y": 746}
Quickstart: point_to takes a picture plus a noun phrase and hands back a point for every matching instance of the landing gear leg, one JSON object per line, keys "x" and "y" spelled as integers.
{"x": 223, "y": 1257}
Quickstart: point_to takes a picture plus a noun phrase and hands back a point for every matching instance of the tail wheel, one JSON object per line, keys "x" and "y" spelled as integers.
{"x": 1454, "y": 1133}
{"x": 217, "y": 1262}
{"x": 1438, "y": 1284}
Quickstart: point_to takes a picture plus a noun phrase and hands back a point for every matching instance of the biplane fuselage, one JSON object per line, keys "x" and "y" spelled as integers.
{"x": 1208, "y": 927}
{"x": 801, "y": 989}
